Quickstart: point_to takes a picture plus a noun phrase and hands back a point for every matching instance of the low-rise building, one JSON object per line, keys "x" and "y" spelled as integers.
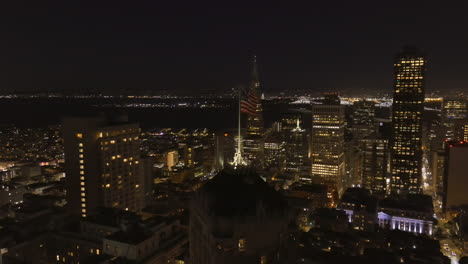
{"x": 413, "y": 213}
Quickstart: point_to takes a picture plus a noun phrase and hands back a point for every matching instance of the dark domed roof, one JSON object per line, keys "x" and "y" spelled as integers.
{"x": 237, "y": 192}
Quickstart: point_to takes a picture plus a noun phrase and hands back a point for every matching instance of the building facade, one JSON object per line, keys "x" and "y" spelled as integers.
{"x": 102, "y": 164}
{"x": 413, "y": 213}
{"x": 375, "y": 164}
{"x": 327, "y": 145}
{"x": 454, "y": 109}
{"x": 237, "y": 218}
{"x": 407, "y": 114}
{"x": 297, "y": 146}
{"x": 455, "y": 174}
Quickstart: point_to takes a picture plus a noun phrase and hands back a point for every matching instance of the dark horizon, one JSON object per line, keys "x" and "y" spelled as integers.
{"x": 195, "y": 48}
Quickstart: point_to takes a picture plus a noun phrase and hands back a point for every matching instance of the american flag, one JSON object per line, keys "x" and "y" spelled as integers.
{"x": 249, "y": 104}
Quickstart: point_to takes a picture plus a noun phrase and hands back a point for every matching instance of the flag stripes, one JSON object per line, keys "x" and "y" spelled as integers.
{"x": 249, "y": 106}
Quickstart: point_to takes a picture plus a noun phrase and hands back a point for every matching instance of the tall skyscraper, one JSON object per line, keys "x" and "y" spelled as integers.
{"x": 375, "y": 152}
{"x": 363, "y": 119}
{"x": 236, "y": 217}
{"x": 455, "y": 184}
{"x": 461, "y": 130}
{"x": 274, "y": 150}
{"x": 102, "y": 164}
{"x": 254, "y": 138}
{"x": 455, "y": 108}
{"x": 297, "y": 147}
{"x": 407, "y": 112}
{"x": 327, "y": 146}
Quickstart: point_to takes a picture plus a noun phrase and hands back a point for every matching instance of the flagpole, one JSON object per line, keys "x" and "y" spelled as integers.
{"x": 239, "y": 124}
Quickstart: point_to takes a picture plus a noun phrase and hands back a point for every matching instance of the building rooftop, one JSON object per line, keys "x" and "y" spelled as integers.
{"x": 412, "y": 202}
{"x": 133, "y": 236}
{"x": 359, "y": 197}
{"x": 311, "y": 188}
{"x": 238, "y": 192}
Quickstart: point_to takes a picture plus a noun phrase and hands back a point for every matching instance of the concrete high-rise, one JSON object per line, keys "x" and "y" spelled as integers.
{"x": 363, "y": 119}
{"x": 327, "y": 146}
{"x": 102, "y": 164}
{"x": 455, "y": 183}
{"x": 455, "y": 109}
{"x": 407, "y": 114}
{"x": 375, "y": 159}
{"x": 297, "y": 163}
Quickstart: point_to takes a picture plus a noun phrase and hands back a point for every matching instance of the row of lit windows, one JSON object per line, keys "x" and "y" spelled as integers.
{"x": 82, "y": 175}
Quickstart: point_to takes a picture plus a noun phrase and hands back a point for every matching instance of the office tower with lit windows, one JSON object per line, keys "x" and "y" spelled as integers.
{"x": 363, "y": 119}
{"x": 438, "y": 160}
{"x": 407, "y": 115}
{"x": 274, "y": 150}
{"x": 102, "y": 164}
{"x": 327, "y": 146}
{"x": 375, "y": 163}
{"x": 455, "y": 108}
{"x": 297, "y": 163}
{"x": 236, "y": 217}
{"x": 461, "y": 129}
{"x": 364, "y": 113}
{"x": 254, "y": 138}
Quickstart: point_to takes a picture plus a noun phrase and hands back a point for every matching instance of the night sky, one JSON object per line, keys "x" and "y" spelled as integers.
{"x": 192, "y": 47}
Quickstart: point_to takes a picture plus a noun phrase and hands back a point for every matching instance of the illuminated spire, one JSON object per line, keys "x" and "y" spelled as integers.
{"x": 255, "y": 78}
{"x": 298, "y": 126}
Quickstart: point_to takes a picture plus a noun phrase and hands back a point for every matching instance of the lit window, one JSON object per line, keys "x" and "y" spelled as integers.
{"x": 83, "y": 210}
{"x": 83, "y": 205}
{"x": 83, "y": 215}
{"x": 81, "y": 161}
{"x": 108, "y": 185}
{"x": 82, "y": 172}
{"x": 80, "y": 145}
{"x": 97, "y": 251}
{"x": 83, "y": 200}
{"x": 82, "y": 183}
{"x": 242, "y": 244}
{"x": 137, "y": 186}
{"x": 80, "y": 150}
{"x": 82, "y": 178}
{"x": 79, "y": 135}
{"x": 100, "y": 134}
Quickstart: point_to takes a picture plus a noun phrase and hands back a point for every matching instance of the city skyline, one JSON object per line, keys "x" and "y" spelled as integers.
{"x": 191, "y": 133}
